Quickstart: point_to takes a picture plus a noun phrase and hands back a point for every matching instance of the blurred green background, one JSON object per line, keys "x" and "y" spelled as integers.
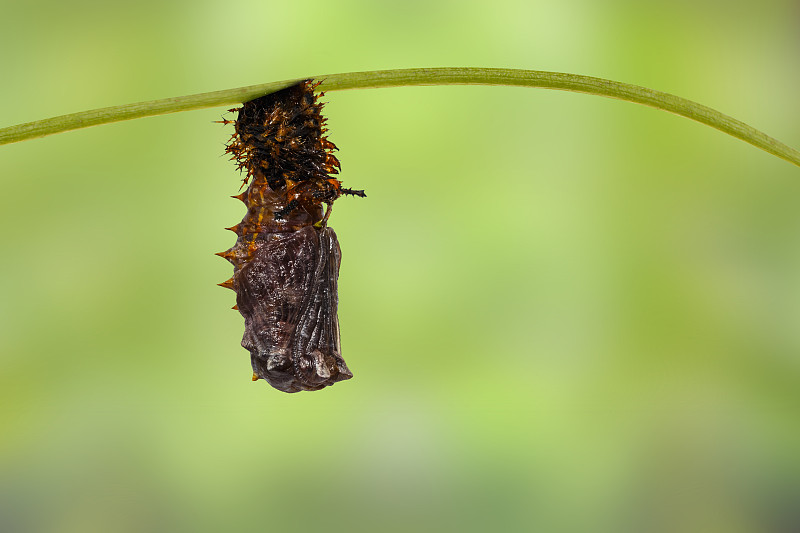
{"x": 563, "y": 312}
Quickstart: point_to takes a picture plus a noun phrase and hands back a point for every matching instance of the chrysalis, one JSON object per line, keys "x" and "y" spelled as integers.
{"x": 286, "y": 259}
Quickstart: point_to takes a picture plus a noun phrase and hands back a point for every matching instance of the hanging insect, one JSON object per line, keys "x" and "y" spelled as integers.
{"x": 286, "y": 258}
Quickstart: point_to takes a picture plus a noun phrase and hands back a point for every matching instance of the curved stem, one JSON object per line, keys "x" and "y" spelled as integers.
{"x": 419, "y": 76}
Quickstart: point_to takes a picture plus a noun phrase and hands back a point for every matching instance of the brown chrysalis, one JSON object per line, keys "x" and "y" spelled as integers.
{"x": 286, "y": 259}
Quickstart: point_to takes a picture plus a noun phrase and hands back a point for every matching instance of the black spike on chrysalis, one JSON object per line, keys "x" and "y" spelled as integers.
{"x": 286, "y": 260}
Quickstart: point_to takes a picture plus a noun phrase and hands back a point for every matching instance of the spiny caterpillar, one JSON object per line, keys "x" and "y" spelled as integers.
{"x": 286, "y": 259}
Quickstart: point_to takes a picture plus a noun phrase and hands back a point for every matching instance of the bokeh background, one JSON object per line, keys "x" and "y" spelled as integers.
{"x": 563, "y": 312}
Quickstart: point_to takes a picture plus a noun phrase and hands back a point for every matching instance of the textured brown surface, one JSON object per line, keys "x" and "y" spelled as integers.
{"x": 286, "y": 260}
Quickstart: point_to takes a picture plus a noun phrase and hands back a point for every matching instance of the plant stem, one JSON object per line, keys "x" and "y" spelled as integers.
{"x": 408, "y": 77}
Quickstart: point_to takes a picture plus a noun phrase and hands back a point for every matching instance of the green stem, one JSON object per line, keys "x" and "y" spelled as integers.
{"x": 420, "y": 76}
